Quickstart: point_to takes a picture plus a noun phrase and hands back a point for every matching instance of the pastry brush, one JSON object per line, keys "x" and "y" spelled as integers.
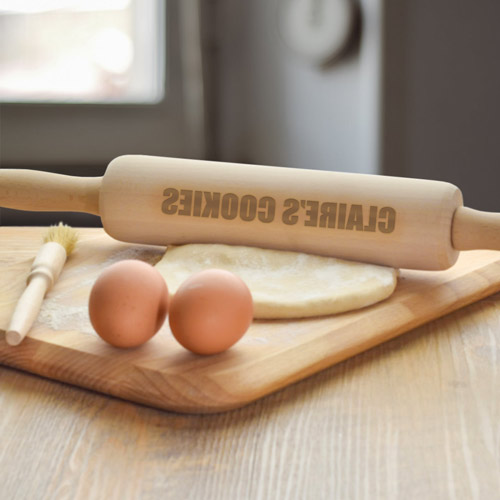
{"x": 58, "y": 243}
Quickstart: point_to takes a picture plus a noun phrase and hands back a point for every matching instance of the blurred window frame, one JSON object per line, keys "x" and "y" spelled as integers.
{"x": 82, "y": 138}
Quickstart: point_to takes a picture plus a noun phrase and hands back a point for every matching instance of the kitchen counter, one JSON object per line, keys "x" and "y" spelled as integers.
{"x": 416, "y": 417}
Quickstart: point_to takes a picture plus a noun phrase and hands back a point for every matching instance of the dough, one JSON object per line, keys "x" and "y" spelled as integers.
{"x": 285, "y": 284}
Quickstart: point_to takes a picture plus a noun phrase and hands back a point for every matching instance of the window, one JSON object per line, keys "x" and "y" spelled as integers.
{"x": 95, "y": 51}
{"x": 104, "y": 78}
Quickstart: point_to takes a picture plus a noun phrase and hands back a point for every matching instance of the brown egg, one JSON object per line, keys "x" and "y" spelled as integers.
{"x": 128, "y": 303}
{"x": 210, "y": 311}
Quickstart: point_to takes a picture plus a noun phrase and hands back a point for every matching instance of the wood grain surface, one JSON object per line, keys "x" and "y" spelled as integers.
{"x": 272, "y": 355}
{"x": 416, "y": 417}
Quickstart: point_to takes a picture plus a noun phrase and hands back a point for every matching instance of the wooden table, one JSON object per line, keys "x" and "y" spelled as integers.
{"x": 417, "y": 417}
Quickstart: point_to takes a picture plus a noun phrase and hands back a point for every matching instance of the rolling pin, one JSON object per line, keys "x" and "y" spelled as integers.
{"x": 398, "y": 222}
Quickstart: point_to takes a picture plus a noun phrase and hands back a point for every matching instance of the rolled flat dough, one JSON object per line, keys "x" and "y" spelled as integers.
{"x": 285, "y": 284}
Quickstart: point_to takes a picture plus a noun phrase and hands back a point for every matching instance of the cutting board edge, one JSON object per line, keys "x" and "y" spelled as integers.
{"x": 60, "y": 367}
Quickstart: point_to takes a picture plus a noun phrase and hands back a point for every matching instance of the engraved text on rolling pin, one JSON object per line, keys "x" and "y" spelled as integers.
{"x": 265, "y": 209}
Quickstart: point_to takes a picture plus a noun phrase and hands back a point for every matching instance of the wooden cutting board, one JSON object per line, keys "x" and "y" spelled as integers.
{"x": 162, "y": 374}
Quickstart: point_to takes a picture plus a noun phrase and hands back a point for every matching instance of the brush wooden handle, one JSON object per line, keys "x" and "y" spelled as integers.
{"x": 45, "y": 270}
{"x": 44, "y": 191}
{"x": 399, "y": 222}
{"x": 27, "y": 310}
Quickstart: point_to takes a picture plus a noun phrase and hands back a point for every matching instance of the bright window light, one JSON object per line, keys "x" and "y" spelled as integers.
{"x": 88, "y": 51}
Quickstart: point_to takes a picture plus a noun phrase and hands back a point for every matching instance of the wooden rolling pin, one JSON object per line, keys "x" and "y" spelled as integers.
{"x": 399, "y": 222}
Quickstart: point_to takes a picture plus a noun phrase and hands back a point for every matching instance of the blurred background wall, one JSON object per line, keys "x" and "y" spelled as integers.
{"x": 441, "y": 102}
{"x": 417, "y": 94}
{"x": 414, "y": 92}
{"x": 278, "y": 107}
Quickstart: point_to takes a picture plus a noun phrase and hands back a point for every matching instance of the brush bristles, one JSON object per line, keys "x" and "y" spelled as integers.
{"x": 66, "y": 236}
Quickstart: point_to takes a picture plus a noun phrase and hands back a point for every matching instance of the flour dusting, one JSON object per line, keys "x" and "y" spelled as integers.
{"x": 59, "y": 311}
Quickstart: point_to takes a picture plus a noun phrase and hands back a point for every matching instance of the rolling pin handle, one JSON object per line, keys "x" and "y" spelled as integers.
{"x": 473, "y": 229}
{"x": 47, "y": 192}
